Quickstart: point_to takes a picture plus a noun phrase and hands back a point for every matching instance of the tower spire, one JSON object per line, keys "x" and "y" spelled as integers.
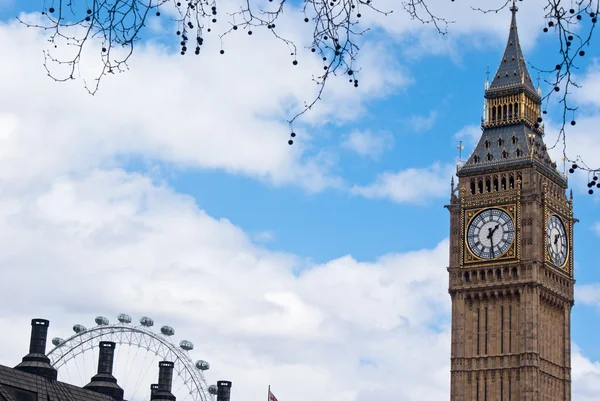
{"x": 512, "y": 134}
{"x": 512, "y": 70}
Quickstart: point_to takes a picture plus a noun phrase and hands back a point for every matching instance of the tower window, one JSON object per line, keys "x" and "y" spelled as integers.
{"x": 480, "y": 186}
{"x": 511, "y": 182}
{"x": 500, "y": 142}
{"x": 475, "y": 159}
{"x": 503, "y": 182}
{"x": 519, "y": 153}
{"x": 488, "y": 185}
{"x": 509, "y": 331}
{"x": 487, "y": 144}
{"x": 486, "y": 330}
{"x": 473, "y": 187}
{"x": 489, "y": 156}
{"x": 495, "y": 183}
{"x": 482, "y": 275}
{"x": 510, "y": 111}
{"x": 502, "y": 331}
{"x": 504, "y": 154}
{"x": 478, "y": 325}
{"x": 498, "y": 274}
{"x": 515, "y": 273}
{"x": 516, "y": 109}
{"x": 514, "y": 139}
{"x": 467, "y": 277}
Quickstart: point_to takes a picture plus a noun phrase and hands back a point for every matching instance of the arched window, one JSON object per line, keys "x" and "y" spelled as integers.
{"x": 503, "y": 185}
{"x": 486, "y": 144}
{"x": 515, "y": 273}
{"x": 467, "y": 277}
{"x": 510, "y": 111}
{"x": 495, "y": 183}
{"x": 514, "y": 139}
{"x": 519, "y": 153}
{"x": 498, "y": 274}
{"x": 494, "y": 114}
{"x": 516, "y": 110}
{"x": 473, "y": 187}
{"x": 475, "y": 159}
{"x": 500, "y": 142}
{"x": 504, "y": 154}
{"x": 489, "y": 156}
{"x": 480, "y": 186}
{"x": 511, "y": 182}
{"x": 504, "y": 113}
{"x": 488, "y": 185}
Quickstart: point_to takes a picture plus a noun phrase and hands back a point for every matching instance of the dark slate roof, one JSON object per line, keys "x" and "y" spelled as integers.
{"x": 500, "y": 139}
{"x": 512, "y": 70}
{"x": 16, "y": 385}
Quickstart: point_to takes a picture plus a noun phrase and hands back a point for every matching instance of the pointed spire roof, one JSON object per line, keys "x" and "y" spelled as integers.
{"x": 512, "y": 70}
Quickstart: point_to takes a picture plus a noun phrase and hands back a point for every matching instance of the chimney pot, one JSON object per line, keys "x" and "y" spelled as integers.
{"x": 165, "y": 381}
{"x": 36, "y": 362}
{"x": 223, "y": 390}
{"x": 104, "y": 382}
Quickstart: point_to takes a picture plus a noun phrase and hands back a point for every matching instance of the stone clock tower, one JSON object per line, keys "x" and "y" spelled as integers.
{"x": 511, "y": 253}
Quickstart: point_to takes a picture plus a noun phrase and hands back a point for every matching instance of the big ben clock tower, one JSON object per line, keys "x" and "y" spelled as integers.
{"x": 511, "y": 252}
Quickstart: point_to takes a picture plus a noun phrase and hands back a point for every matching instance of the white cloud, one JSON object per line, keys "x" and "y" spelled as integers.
{"x": 597, "y": 228}
{"x": 585, "y": 376}
{"x": 191, "y": 112}
{"x": 423, "y": 123}
{"x": 412, "y": 185}
{"x": 470, "y": 135}
{"x": 588, "y": 294}
{"x": 109, "y": 242}
{"x": 368, "y": 144}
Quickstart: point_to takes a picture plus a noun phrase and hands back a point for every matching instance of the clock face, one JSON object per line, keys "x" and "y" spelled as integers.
{"x": 557, "y": 240}
{"x": 490, "y": 233}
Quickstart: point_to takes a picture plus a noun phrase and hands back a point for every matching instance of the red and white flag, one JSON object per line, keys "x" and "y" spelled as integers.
{"x": 271, "y": 396}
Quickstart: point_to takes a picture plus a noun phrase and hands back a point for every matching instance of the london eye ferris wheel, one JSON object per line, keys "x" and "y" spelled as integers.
{"x": 139, "y": 349}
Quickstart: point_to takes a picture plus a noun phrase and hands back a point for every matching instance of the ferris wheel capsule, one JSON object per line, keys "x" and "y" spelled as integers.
{"x": 57, "y": 341}
{"x": 101, "y": 321}
{"x": 202, "y": 365}
{"x": 79, "y": 328}
{"x": 167, "y": 330}
{"x": 123, "y": 318}
{"x": 212, "y": 389}
{"x": 186, "y": 345}
{"x": 146, "y": 321}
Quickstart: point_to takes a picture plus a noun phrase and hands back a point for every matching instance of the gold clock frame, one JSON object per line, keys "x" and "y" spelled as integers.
{"x": 468, "y": 258}
{"x": 549, "y": 212}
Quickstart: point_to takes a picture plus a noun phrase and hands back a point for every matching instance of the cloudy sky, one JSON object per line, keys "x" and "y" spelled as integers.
{"x": 318, "y": 268}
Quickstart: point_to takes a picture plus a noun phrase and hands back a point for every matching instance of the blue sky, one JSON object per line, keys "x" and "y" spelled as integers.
{"x": 181, "y": 166}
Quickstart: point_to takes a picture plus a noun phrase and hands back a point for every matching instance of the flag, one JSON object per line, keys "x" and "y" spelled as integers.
{"x": 271, "y": 396}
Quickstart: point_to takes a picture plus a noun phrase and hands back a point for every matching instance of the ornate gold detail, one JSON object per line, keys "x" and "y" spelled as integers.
{"x": 511, "y": 253}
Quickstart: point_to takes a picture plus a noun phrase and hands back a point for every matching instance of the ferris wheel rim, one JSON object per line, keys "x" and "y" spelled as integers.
{"x": 88, "y": 336}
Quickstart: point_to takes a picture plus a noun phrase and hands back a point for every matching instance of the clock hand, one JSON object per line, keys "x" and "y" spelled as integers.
{"x": 556, "y": 237}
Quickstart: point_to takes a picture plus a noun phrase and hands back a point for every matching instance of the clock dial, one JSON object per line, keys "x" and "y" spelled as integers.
{"x": 490, "y": 233}
{"x": 557, "y": 240}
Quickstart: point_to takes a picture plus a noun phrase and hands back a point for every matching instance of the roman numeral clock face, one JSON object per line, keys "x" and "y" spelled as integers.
{"x": 490, "y": 233}
{"x": 557, "y": 241}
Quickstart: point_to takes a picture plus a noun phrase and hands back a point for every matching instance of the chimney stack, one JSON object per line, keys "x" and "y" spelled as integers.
{"x": 223, "y": 390}
{"x": 165, "y": 380}
{"x": 36, "y": 362}
{"x": 153, "y": 389}
{"x": 104, "y": 382}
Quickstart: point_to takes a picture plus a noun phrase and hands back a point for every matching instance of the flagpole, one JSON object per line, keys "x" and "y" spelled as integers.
{"x": 269, "y": 394}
